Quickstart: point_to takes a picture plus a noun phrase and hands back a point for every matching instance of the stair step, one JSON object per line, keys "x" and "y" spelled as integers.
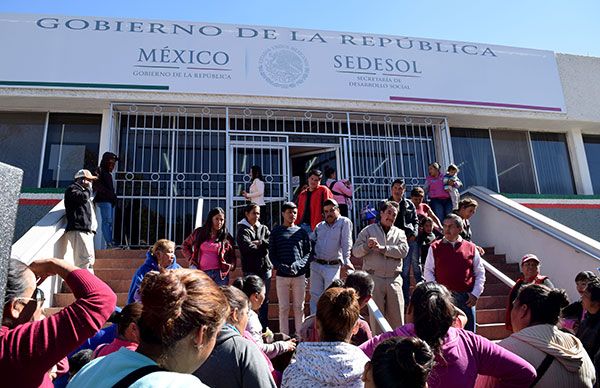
{"x": 103, "y": 254}
{"x": 489, "y": 250}
{"x": 491, "y": 302}
{"x": 115, "y": 274}
{"x": 118, "y": 263}
{"x": 495, "y": 259}
{"x": 63, "y": 299}
{"x": 493, "y": 331}
{"x": 485, "y": 316}
{"x": 496, "y": 289}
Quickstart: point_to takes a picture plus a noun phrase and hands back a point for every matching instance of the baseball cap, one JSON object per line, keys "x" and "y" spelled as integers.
{"x": 83, "y": 173}
{"x": 528, "y": 257}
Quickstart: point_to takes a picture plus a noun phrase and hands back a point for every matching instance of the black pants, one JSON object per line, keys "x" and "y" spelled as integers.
{"x": 344, "y": 210}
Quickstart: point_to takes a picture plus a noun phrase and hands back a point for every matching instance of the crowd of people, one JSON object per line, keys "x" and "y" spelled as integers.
{"x": 197, "y": 327}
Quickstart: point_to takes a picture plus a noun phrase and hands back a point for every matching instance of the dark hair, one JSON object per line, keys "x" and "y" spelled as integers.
{"x": 288, "y": 205}
{"x": 79, "y": 360}
{"x": 235, "y": 298}
{"x": 249, "y": 207}
{"x": 593, "y": 287}
{"x": 467, "y": 202}
{"x": 206, "y": 228}
{"x": 433, "y": 313}
{"x": 402, "y": 362}
{"x": 331, "y": 202}
{"x": 417, "y": 192}
{"x": 316, "y": 173}
{"x": 256, "y": 173}
{"x": 329, "y": 172}
{"x": 249, "y": 284}
{"x": 336, "y": 283}
{"x": 15, "y": 286}
{"x": 398, "y": 181}
{"x": 386, "y": 204}
{"x": 362, "y": 282}
{"x": 543, "y": 302}
{"x": 337, "y": 313}
{"x": 585, "y": 276}
{"x": 425, "y": 220}
{"x": 435, "y": 165}
{"x": 131, "y": 313}
{"x": 175, "y": 302}
{"x": 453, "y": 167}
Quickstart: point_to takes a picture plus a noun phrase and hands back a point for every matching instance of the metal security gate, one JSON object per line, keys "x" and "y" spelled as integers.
{"x": 270, "y": 153}
{"x": 170, "y": 156}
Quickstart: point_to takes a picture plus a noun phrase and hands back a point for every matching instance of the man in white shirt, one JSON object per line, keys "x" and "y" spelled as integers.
{"x": 456, "y": 263}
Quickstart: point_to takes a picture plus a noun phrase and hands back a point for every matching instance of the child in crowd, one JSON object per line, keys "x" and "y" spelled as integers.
{"x": 399, "y": 362}
{"x": 573, "y": 314}
{"x": 452, "y": 183}
{"x": 425, "y": 238}
{"x": 254, "y": 288}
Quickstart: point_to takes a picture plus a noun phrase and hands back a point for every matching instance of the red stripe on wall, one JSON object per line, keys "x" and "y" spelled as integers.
{"x": 562, "y": 205}
{"x": 38, "y": 202}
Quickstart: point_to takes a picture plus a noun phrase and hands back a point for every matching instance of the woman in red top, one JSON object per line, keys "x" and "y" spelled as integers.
{"x": 30, "y": 347}
{"x": 530, "y": 266}
{"x": 210, "y": 248}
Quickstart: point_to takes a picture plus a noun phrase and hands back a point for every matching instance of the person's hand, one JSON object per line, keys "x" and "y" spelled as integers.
{"x": 348, "y": 267}
{"x": 49, "y": 267}
{"x": 256, "y": 242}
{"x": 372, "y": 242}
{"x": 472, "y": 301}
{"x": 244, "y": 194}
{"x": 480, "y": 250}
{"x": 290, "y": 345}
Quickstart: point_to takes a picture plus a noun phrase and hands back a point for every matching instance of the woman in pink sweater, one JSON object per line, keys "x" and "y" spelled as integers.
{"x": 30, "y": 347}
{"x": 460, "y": 355}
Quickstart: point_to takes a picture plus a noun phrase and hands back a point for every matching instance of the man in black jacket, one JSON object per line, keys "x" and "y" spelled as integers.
{"x": 408, "y": 221}
{"x": 253, "y": 240}
{"x": 81, "y": 219}
{"x": 105, "y": 198}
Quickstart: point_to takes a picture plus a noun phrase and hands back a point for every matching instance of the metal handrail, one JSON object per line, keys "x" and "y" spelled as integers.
{"x": 378, "y": 315}
{"x": 497, "y": 273}
{"x": 569, "y": 239}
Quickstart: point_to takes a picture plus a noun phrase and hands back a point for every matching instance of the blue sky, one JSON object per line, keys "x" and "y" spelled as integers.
{"x": 562, "y": 26}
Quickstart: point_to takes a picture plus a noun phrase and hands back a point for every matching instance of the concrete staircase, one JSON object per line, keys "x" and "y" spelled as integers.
{"x": 117, "y": 267}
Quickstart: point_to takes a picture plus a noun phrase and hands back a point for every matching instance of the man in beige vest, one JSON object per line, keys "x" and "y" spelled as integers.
{"x": 382, "y": 246}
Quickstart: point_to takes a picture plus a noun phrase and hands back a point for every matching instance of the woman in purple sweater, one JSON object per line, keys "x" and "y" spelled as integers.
{"x": 460, "y": 355}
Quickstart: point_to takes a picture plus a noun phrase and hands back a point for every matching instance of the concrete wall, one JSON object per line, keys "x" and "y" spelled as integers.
{"x": 515, "y": 238}
{"x": 585, "y": 221}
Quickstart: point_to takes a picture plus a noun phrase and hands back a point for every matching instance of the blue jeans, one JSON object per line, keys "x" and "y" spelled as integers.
{"x": 107, "y": 211}
{"x": 412, "y": 258}
{"x": 263, "y": 312}
{"x": 460, "y": 301}
{"x": 441, "y": 207}
{"x": 215, "y": 275}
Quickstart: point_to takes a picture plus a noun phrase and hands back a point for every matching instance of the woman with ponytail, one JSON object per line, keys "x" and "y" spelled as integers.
{"x": 183, "y": 310}
{"x": 560, "y": 358}
{"x": 459, "y": 354}
{"x": 332, "y": 362}
{"x": 127, "y": 329}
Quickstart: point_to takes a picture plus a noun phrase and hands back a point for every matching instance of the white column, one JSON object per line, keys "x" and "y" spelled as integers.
{"x": 107, "y": 138}
{"x": 581, "y": 170}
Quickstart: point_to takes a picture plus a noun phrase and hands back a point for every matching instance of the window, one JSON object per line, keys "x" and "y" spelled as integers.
{"x": 552, "y": 163}
{"x": 72, "y": 144}
{"x": 592, "y": 152}
{"x": 513, "y": 162}
{"x": 473, "y": 155}
{"x": 21, "y": 136}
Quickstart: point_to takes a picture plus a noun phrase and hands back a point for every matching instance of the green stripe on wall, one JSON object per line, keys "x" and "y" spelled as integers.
{"x": 48, "y": 190}
{"x": 84, "y": 85}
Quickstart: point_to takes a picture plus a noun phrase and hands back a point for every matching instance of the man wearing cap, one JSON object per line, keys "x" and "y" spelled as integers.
{"x": 81, "y": 219}
{"x": 455, "y": 263}
{"x": 105, "y": 198}
{"x": 530, "y": 267}
{"x": 333, "y": 242}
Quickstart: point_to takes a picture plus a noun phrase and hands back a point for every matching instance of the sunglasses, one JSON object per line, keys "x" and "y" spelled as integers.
{"x": 37, "y": 296}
